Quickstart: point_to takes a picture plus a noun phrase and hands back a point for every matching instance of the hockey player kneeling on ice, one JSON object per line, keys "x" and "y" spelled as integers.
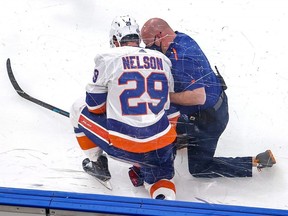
{"x": 126, "y": 113}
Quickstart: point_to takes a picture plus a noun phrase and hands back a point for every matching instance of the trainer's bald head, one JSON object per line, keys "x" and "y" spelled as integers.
{"x": 158, "y": 32}
{"x": 153, "y": 27}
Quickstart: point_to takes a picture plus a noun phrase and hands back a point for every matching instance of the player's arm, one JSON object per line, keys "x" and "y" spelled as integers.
{"x": 172, "y": 112}
{"x": 96, "y": 97}
{"x": 96, "y": 91}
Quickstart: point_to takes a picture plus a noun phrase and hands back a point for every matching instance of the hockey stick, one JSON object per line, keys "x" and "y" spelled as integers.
{"x": 23, "y": 94}
{"x": 28, "y": 97}
{"x": 43, "y": 104}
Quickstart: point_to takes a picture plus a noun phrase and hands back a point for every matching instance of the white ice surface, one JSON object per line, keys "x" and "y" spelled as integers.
{"x": 52, "y": 44}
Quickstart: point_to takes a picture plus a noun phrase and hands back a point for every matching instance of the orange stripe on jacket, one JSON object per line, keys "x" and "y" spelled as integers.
{"x": 94, "y": 128}
{"x": 175, "y": 53}
{"x": 163, "y": 183}
{"x": 142, "y": 147}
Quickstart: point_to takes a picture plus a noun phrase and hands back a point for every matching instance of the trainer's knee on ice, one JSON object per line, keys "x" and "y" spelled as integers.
{"x": 203, "y": 173}
{"x": 197, "y": 175}
{"x": 196, "y": 171}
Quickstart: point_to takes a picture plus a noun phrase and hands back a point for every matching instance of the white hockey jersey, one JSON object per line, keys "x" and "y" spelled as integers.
{"x": 132, "y": 85}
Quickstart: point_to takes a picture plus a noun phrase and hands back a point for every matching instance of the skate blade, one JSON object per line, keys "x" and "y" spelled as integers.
{"x": 106, "y": 184}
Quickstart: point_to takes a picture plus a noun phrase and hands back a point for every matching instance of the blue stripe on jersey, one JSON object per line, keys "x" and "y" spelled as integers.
{"x": 138, "y": 132}
{"x": 95, "y": 99}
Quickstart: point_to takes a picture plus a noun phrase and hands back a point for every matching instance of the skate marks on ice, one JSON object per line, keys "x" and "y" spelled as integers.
{"x": 255, "y": 71}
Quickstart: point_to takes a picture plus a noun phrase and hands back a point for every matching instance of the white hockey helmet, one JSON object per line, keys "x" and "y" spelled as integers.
{"x": 124, "y": 28}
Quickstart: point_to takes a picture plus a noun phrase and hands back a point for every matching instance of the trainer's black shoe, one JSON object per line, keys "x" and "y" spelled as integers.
{"x": 98, "y": 169}
{"x": 265, "y": 159}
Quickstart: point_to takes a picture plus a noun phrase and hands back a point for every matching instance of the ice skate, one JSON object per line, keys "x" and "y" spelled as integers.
{"x": 98, "y": 169}
{"x": 265, "y": 159}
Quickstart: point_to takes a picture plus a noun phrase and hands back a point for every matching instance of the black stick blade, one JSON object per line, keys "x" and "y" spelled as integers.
{"x": 28, "y": 97}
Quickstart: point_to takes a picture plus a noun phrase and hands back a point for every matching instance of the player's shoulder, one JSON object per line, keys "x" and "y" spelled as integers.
{"x": 113, "y": 53}
{"x": 144, "y": 52}
{"x": 116, "y": 51}
{"x": 157, "y": 54}
{"x": 129, "y": 50}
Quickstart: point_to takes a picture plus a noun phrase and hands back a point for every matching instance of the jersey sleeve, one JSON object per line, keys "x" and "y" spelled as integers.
{"x": 169, "y": 74}
{"x": 96, "y": 91}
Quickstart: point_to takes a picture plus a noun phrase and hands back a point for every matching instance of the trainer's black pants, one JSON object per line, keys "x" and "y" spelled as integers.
{"x": 203, "y": 130}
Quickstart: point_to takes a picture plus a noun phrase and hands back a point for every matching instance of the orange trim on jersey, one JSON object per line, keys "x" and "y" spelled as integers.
{"x": 93, "y": 127}
{"x": 85, "y": 143}
{"x": 142, "y": 147}
{"x": 99, "y": 110}
{"x": 175, "y": 53}
{"x": 163, "y": 183}
{"x": 173, "y": 121}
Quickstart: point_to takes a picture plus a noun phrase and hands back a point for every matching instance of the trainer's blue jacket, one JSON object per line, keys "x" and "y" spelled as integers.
{"x": 191, "y": 70}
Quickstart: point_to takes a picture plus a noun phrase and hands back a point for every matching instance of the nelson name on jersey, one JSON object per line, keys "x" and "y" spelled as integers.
{"x": 142, "y": 62}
